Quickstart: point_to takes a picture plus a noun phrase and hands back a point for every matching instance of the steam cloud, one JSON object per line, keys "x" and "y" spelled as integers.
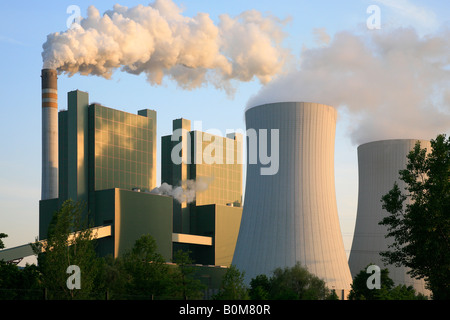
{"x": 393, "y": 84}
{"x": 160, "y": 42}
{"x": 185, "y": 192}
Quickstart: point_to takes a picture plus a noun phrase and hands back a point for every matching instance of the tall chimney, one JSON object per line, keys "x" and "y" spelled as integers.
{"x": 49, "y": 188}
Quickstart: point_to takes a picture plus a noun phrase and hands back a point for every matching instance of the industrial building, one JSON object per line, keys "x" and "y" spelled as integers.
{"x": 216, "y": 208}
{"x": 379, "y": 163}
{"x": 107, "y": 160}
{"x": 104, "y": 149}
{"x": 291, "y": 216}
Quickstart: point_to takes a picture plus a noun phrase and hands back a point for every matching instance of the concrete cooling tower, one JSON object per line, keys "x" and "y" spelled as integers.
{"x": 379, "y": 163}
{"x": 291, "y": 216}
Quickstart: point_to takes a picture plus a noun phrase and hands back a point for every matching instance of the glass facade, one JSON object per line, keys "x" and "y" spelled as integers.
{"x": 104, "y": 153}
{"x": 123, "y": 149}
{"x": 224, "y": 177}
{"x": 213, "y": 159}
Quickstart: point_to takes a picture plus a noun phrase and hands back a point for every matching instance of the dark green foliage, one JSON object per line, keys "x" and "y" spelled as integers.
{"x": 233, "y": 287}
{"x": 2, "y": 235}
{"x": 297, "y": 283}
{"x": 360, "y": 291}
{"x": 388, "y": 290}
{"x": 183, "y": 285}
{"x": 20, "y": 283}
{"x": 259, "y": 287}
{"x": 141, "y": 273}
{"x": 290, "y": 283}
{"x": 69, "y": 242}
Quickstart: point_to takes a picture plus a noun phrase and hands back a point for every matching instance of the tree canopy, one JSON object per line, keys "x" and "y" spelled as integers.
{"x": 233, "y": 287}
{"x": 387, "y": 290}
{"x": 69, "y": 242}
{"x": 288, "y": 283}
{"x": 2, "y": 235}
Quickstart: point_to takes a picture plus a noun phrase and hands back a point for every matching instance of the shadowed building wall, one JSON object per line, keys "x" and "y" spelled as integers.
{"x": 210, "y": 159}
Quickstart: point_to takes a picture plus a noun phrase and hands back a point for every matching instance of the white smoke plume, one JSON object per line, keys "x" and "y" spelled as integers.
{"x": 394, "y": 84}
{"x": 186, "y": 192}
{"x": 160, "y": 42}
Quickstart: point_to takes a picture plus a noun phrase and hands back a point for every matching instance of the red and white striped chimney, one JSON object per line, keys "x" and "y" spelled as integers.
{"x": 49, "y": 189}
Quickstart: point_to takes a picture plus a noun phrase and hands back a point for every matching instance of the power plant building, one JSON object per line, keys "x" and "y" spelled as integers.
{"x": 216, "y": 163}
{"x": 379, "y": 163}
{"x": 107, "y": 160}
{"x": 103, "y": 155}
{"x": 290, "y": 216}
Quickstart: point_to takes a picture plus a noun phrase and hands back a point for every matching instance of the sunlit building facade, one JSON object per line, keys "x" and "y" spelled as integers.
{"x": 215, "y": 162}
{"x": 199, "y": 156}
{"x": 122, "y": 148}
{"x": 107, "y": 160}
{"x": 104, "y": 156}
{"x": 103, "y": 148}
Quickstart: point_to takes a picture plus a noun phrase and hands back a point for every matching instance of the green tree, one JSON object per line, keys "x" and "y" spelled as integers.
{"x": 421, "y": 228}
{"x": 69, "y": 242}
{"x": 183, "y": 283}
{"x": 259, "y": 288}
{"x": 16, "y": 283}
{"x": 2, "y": 245}
{"x": 19, "y": 283}
{"x": 113, "y": 279}
{"x": 387, "y": 291}
{"x": 297, "y": 283}
{"x": 360, "y": 291}
{"x": 145, "y": 270}
{"x": 402, "y": 292}
{"x": 233, "y": 287}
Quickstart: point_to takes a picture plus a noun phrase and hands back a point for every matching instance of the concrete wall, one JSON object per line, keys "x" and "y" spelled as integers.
{"x": 132, "y": 215}
{"x": 220, "y": 222}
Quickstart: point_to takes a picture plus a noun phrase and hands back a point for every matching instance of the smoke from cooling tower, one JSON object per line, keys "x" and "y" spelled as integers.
{"x": 391, "y": 83}
{"x": 160, "y": 42}
{"x": 186, "y": 192}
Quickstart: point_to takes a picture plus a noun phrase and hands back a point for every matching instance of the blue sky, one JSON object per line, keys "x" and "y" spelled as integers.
{"x": 24, "y": 26}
